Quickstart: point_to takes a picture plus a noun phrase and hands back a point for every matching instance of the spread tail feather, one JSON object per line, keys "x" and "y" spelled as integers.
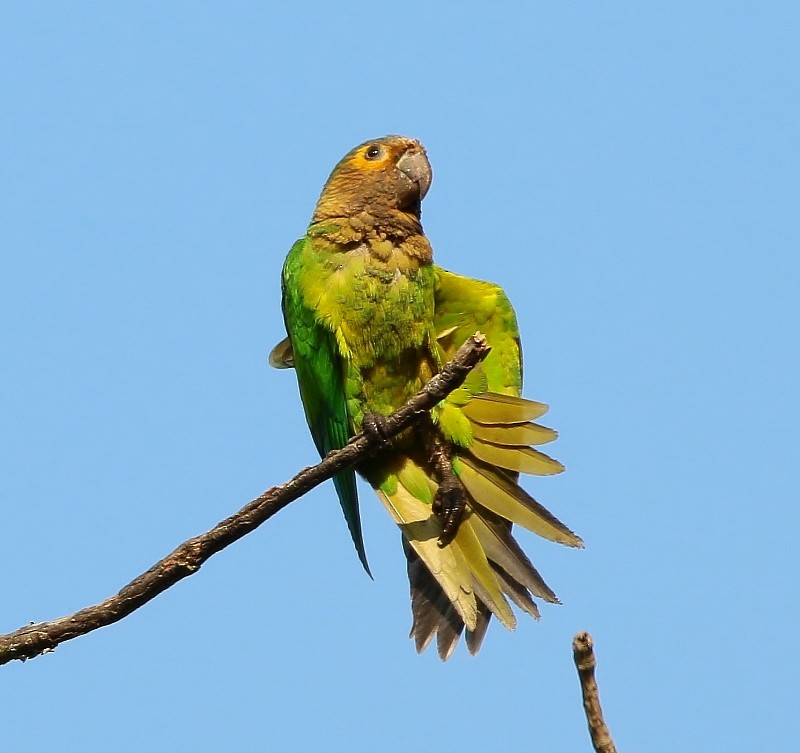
{"x": 435, "y": 616}
{"x": 518, "y": 458}
{"x": 496, "y": 491}
{"x": 447, "y": 564}
{"x": 481, "y": 569}
{"x": 494, "y": 408}
{"x": 456, "y": 588}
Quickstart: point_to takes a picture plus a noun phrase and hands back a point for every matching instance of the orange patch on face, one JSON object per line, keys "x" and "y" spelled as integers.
{"x": 360, "y": 162}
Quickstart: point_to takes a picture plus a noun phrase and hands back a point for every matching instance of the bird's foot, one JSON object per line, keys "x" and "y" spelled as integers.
{"x": 449, "y": 505}
{"x": 373, "y": 425}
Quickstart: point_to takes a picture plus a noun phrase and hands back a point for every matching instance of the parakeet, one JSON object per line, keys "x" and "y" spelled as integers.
{"x": 370, "y": 319}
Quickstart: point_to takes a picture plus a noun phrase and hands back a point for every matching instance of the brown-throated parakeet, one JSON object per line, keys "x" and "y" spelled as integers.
{"x": 370, "y": 320}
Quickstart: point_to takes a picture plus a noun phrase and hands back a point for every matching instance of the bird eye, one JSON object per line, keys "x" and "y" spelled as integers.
{"x": 372, "y": 152}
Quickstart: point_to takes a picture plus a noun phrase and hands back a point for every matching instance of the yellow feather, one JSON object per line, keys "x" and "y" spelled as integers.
{"x": 493, "y": 408}
{"x": 520, "y": 459}
{"x": 447, "y": 564}
{"x": 496, "y": 492}
{"x": 514, "y": 434}
{"x": 486, "y": 584}
{"x": 502, "y": 550}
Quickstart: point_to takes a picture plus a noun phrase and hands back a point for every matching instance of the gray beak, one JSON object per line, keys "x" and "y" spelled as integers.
{"x": 415, "y": 166}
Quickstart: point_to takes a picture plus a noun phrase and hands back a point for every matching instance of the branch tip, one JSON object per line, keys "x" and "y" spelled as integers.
{"x": 585, "y": 662}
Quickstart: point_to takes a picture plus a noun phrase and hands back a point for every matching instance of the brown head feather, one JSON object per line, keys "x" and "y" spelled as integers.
{"x": 377, "y": 188}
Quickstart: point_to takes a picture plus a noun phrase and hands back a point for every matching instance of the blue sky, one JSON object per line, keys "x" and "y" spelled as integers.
{"x": 627, "y": 171}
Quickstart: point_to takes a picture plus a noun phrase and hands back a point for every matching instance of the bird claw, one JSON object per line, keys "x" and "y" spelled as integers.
{"x": 373, "y": 425}
{"x": 449, "y": 505}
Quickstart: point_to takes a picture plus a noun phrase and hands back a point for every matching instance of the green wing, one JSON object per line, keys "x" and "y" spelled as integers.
{"x": 494, "y": 428}
{"x": 479, "y": 414}
{"x": 465, "y": 305}
{"x": 320, "y": 376}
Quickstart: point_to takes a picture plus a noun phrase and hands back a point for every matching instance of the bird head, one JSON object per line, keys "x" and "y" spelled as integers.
{"x": 379, "y": 181}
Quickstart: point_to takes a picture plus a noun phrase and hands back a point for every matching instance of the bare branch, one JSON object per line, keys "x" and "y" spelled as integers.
{"x": 42, "y": 637}
{"x": 583, "y": 653}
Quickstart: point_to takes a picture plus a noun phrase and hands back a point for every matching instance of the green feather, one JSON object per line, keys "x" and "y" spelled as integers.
{"x": 320, "y": 376}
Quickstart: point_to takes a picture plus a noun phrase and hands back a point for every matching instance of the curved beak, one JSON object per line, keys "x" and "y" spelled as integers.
{"x": 415, "y": 166}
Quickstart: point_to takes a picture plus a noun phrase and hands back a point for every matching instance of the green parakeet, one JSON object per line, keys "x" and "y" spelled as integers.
{"x": 370, "y": 319}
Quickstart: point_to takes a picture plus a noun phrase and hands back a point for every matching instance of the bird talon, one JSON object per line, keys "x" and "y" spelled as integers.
{"x": 373, "y": 425}
{"x": 449, "y": 505}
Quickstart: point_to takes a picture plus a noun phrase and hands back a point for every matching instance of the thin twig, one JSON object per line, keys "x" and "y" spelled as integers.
{"x": 42, "y": 637}
{"x": 583, "y": 653}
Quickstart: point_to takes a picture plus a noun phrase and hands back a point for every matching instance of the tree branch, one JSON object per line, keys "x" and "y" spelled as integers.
{"x": 583, "y": 654}
{"x": 43, "y": 637}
